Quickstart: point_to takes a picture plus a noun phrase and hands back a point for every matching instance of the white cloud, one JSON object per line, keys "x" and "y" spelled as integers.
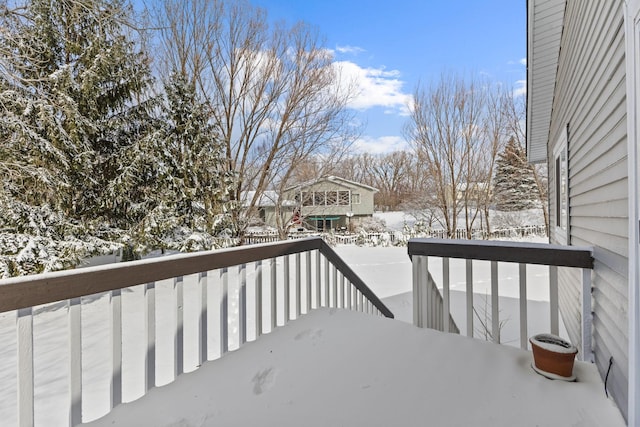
{"x": 521, "y": 61}
{"x": 354, "y": 50}
{"x": 383, "y": 144}
{"x": 521, "y": 88}
{"x": 375, "y": 87}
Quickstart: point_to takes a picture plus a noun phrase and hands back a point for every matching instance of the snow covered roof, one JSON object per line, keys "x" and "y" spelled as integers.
{"x": 332, "y": 178}
{"x": 336, "y": 367}
{"x": 267, "y": 198}
{"x": 544, "y": 31}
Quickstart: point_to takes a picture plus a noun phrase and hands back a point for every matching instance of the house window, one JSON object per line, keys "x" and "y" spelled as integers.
{"x": 307, "y": 198}
{"x": 355, "y": 198}
{"x": 332, "y": 198}
{"x": 343, "y": 198}
{"x": 319, "y": 198}
{"x": 561, "y": 187}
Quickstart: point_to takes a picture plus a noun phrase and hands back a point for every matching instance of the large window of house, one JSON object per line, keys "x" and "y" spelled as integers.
{"x": 343, "y": 198}
{"x": 561, "y": 187}
{"x": 326, "y": 198}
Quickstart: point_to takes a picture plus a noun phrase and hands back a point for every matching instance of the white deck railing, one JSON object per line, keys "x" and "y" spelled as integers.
{"x": 252, "y": 290}
{"x": 431, "y": 307}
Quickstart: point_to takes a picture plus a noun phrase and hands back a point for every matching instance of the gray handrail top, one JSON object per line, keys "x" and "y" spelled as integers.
{"x": 506, "y": 251}
{"x": 32, "y": 290}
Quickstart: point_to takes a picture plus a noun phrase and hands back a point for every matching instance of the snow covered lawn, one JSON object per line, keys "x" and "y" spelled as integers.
{"x": 334, "y": 367}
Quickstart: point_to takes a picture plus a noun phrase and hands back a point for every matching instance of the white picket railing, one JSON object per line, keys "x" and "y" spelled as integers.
{"x": 432, "y": 307}
{"x": 251, "y": 290}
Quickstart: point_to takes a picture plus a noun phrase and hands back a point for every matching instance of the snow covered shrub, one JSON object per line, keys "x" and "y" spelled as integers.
{"x": 371, "y": 225}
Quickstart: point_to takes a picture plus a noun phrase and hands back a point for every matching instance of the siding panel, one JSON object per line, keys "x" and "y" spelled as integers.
{"x": 590, "y": 98}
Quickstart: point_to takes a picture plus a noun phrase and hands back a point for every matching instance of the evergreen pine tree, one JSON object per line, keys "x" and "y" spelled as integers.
{"x": 72, "y": 106}
{"x": 192, "y": 185}
{"x": 514, "y": 186}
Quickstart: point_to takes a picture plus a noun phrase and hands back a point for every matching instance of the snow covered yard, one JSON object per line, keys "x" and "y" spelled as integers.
{"x": 335, "y": 367}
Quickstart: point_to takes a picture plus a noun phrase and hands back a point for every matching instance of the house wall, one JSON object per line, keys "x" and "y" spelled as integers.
{"x": 590, "y": 99}
{"x": 365, "y": 207}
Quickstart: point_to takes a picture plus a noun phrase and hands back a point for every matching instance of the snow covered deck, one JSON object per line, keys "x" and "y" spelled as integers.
{"x": 336, "y": 367}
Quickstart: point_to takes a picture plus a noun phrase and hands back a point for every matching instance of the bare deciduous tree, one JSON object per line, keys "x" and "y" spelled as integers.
{"x": 273, "y": 90}
{"x": 457, "y": 127}
{"x": 436, "y": 130}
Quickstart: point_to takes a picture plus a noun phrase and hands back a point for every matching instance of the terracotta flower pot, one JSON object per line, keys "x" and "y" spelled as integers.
{"x": 553, "y": 356}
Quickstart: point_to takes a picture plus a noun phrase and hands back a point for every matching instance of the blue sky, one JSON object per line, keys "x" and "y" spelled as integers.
{"x": 393, "y": 45}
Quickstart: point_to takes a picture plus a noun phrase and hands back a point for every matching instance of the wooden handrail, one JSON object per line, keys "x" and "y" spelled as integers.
{"x": 29, "y": 291}
{"x": 553, "y": 256}
{"x": 493, "y": 250}
{"x": 350, "y": 275}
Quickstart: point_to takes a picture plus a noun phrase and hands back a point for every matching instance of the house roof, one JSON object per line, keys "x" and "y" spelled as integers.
{"x": 332, "y": 178}
{"x": 266, "y": 199}
{"x": 544, "y": 31}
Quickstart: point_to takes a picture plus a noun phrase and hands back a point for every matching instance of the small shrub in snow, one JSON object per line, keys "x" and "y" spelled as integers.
{"x": 371, "y": 225}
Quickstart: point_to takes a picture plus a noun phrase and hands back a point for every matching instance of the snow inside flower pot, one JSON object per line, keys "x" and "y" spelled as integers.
{"x": 553, "y": 356}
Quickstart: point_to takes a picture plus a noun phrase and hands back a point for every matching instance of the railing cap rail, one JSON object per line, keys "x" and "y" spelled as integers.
{"x": 506, "y": 251}
{"x": 29, "y": 291}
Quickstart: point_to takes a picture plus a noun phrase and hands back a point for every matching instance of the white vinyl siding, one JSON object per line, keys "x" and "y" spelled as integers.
{"x": 590, "y": 98}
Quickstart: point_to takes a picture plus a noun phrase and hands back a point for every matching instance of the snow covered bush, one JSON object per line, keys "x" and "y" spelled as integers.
{"x": 371, "y": 225}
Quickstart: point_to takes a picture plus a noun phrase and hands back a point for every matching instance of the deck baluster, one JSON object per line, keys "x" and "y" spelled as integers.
{"x": 242, "y": 304}
{"x": 150, "y": 327}
{"x": 274, "y": 294}
{"x": 75, "y": 361}
{"x": 298, "y": 285}
{"x": 309, "y": 282}
{"x": 469, "y": 288}
{"x": 446, "y": 305}
{"x": 178, "y": 344}
{"x": 258, "y": 295}
{"x": 116, "y": 346}
{"x": 287, "y": 289}
{"x": 224, "y": 311}
{"x": 202, "y": 319}
{"x": 24, "y": 332}
{"x": 495, "y": 309}
{"x": 522, "y": 275}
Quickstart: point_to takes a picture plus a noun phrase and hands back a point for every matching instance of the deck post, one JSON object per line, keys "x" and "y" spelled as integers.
{"x": 420, "y": 294}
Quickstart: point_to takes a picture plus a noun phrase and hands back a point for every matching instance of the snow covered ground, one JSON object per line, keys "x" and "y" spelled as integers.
{"x": 387, "y": 270}
{"x": 396, "y": 220}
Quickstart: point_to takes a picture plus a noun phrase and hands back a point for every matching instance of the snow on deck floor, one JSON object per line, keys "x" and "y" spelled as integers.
{"x": 335, "y": 367}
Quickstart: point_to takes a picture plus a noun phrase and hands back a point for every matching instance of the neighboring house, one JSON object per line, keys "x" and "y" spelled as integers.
{"x": 473, "y": 191}
{"x": 583, "y": 81}
{"x": 266, "y": 206}
{"x": 330, "y": 202}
